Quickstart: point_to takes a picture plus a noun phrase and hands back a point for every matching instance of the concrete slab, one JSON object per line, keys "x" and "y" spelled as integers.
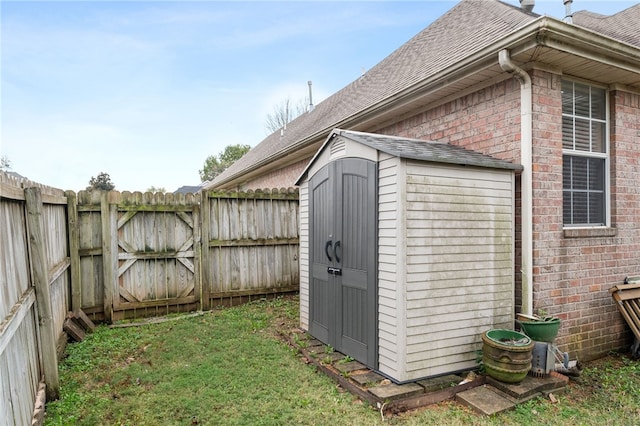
{"x": 392, "y": 391}
{"x": 438, "y": 383}
{"x": 367, "y": 379}
{"x": 484, "y": 400}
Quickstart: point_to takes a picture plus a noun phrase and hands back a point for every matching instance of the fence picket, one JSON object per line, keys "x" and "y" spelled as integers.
{"x": 117, "y": 255}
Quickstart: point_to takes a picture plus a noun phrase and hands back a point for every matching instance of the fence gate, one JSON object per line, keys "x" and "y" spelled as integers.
{"x": 152, "y": 246}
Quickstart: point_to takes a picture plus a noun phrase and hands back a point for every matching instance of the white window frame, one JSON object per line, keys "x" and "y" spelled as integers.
{"x": 588, "y": 154}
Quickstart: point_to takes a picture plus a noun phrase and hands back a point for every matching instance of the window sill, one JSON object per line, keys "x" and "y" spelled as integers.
{"x": 589, "y": 232}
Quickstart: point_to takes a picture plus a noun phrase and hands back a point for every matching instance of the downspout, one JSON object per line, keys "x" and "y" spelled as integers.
{"x": 526, "y": 191}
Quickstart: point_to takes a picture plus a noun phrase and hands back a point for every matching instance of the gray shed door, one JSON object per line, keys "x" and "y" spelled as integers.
{"x": 342, "y": 206}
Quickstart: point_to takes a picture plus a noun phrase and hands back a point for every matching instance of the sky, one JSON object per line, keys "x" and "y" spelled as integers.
{"x": 146, "y": 90}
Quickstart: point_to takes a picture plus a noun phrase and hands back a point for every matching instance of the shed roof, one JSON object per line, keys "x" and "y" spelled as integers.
{"x": 418, "y": 149}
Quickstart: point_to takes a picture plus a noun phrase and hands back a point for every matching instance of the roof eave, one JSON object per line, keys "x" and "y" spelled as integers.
{"x": 543, "y": 31}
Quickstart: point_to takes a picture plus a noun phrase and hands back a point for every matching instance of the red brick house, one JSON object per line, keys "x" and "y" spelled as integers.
{"x": 561, "y": 99}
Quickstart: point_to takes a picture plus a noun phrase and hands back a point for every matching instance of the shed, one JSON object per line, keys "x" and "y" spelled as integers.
{"x": 406, "y": 251}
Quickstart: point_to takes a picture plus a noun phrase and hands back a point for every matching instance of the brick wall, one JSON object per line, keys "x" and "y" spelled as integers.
{"x": 486, "y": 121}
{"x": 573, "y": 270}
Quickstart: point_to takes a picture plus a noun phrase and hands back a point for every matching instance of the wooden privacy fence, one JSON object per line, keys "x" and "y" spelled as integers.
{"x": 34, "y": 288}
{"x": 119, "y": 255}
{"x": 146, "y": 254}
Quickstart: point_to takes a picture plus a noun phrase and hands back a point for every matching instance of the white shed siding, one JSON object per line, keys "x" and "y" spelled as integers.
{"x": 445, "y": 258}
{"x": 304, "y": 255}
{"x": 390, "y": 266}
{"x": 459, "y": 263}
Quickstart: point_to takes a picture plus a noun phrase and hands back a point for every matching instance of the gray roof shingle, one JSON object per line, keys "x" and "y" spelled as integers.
{"x": 621, "y": 26}
{"x": 418, "y": 149}
{"x": 473, "y": 24}
{"x": 467, "y": 28}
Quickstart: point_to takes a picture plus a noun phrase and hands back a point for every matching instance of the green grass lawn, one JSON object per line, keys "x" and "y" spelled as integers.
{"x": 230, "y": 367}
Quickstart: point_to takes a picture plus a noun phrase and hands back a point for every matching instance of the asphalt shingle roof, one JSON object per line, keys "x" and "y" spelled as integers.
{"x": 465, "y": 29}
{"x": 622, "y": 26}
{"x": 418, "y": 149}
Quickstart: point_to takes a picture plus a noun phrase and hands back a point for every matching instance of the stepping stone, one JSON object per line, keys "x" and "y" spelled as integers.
{"x": 367, "y": 379}
{"x": 348, "y": 367}
{"x": 330, "y": 358}
{"x": 438, "y": 383}
{"x": 523, "y": 391}
{"x": 314, "y": 342}
{"x": 485, "y": 400}
{"x": 392, "y": 391}
{"x": 319, "y": 350}
{"x": 529, "y": 388}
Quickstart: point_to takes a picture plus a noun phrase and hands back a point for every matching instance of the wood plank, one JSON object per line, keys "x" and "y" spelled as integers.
{"x": 254, "y": 292}
{"x": 76, "y": 332}
{"x": 74, "y": 249}
{"x": 39, "y": 406}
{"x": 204, "y": 226}
{"x": 185, "y": 218}
{"x": 186, "y": 291}
{"x": 622, "y": 287}
{"x": 11, "y": 192}
{"x": 625, "y": 313}
{"x": 83, "y": 320}
{"x": 634, "y": 306}
{"x": 260, "y": 242}
{"x": 629, "y": 294}
{"x": 59, "y": 269}
{"x": 187, "y": 263}
{"x": 158, "y": 302}
{"x": 429, "y": 398}
{"x": 109, "y": 254}
{"x": 154, "y": 208}
{"x": 96, "y": 251}
{"x": 127, "y": 295}
{"x": 155, "y": 255}
{"x": 43, "y": 298}
{"x": 10, "y": 324}
{"x": 631, "y": 308}
{"x": 186, "y": 245}
{"x": 54, "y": 199}
{"x": 258, "y": 194}
{"x": 125, "y": 218}
{"x": 196, "y": 236}
{"x": 126, "y": 246}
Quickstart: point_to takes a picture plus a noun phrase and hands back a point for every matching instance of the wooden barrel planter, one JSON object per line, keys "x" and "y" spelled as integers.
{"x": 506, "y": 355}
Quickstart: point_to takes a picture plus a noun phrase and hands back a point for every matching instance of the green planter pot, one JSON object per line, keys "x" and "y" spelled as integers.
{"x": 541, "y": 331}
{"x": 506, "y": 355}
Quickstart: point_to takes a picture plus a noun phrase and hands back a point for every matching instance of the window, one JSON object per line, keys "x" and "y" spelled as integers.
{"x": 585, "y": 155}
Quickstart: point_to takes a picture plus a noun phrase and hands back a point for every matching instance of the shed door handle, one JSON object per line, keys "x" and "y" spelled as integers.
{"x": 326, "y": 249}
{"x": 335, "y": 250}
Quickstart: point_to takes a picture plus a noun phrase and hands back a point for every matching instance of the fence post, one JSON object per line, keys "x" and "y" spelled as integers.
{"x": 39, "y": 268}
{"x": 74, "y": 250}
{"x": 205, "y": 226}
{"x": 109, "y": 273}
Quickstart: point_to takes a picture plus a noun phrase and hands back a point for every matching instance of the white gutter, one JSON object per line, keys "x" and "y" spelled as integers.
{"x": 526, "y": 190}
